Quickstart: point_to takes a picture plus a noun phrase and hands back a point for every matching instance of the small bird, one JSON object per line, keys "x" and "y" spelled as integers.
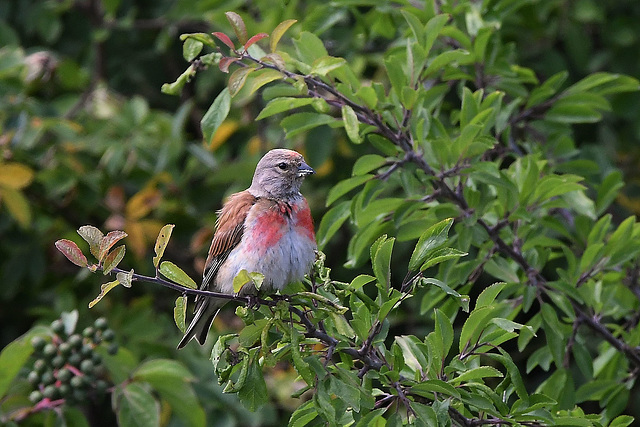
{"x": 266, "y": 229}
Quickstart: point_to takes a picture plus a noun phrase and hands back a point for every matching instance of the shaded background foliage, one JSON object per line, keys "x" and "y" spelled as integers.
{"x": 87, "y": 137}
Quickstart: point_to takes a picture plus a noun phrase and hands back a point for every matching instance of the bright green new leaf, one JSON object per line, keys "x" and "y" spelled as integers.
{"x": 280, "y": 105}
{"x": 176, "y": 274}
{"x": 260, "y": 78}
{"x": 324, "y": 65}
{"x": 191, "y": 49}
{"x": 180, "y": 313}
{"x": 477, "y": 373}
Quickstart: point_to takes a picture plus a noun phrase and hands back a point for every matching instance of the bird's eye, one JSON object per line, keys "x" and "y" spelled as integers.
{"x": 282, "y": 165}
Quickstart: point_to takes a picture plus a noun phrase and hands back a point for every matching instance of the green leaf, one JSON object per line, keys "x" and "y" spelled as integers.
{"x": 326, "y": 64}
{"x": 433, "y": 237}
{"x": 171, "y": 380}
{"x": 441, "y": 255}
{"x": 278, "y": 32}
{"x": 351, "y": 124}
{"x": 180, "y": 313}
{"x": 14, "y": 356}
{"x": 622, "y": 421}
{"x": 396, "y": 74}
{"x": 299, "y": 364}
{"x": 191, "y": 49}
{"x": 368, "y": 163}
{"x": 279, "y": 105}
{"x": 161, "y": 243}
{"x": 176, "y": 274}
{"x": 237, "y": 23}
{"x": 450, "y": 57}
{"x": 262, "y": 77}
{"x": 309, "y": 47}
{"x": 381, "y": 261}
{"x": 175, "y": 87}
{"x": 474, "y": 325}
{"x": 216, "y": 114}
{"x": 73, "y": 253}
{"x": 477, "y": 373}
{"x": 427, "y": 388}
{"x": 104, "y": 289}
{"x": 137, "y": 407}
{"x": 238, "y": 79}
{"x": 301, "y": 122}
{"x": 562, "y": 112}
{"x": 254, "y": 393}
{"x": 93, "y": 237}
{"x": 242, "y": 278}
{"x": 331, "y": 222}
{"x": 303, "y": 415}
{"x": 489, "y": 294}
{"x": 112, "y": 260}
{"x": 443, "y": 331}
{"x": 414, "y": 351}
{"x": 17, "y": 205}
{"x": 346, "y": 185}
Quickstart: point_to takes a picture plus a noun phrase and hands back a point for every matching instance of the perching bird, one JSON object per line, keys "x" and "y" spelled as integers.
{"x": 266, "y": 229}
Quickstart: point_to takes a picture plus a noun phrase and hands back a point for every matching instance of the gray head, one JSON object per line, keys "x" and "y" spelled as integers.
{"x": 279, "y": 174}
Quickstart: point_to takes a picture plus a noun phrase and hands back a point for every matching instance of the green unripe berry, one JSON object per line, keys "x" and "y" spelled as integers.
{"x": 87, "y": 350}
{"x": 101, "y": 386}
{"x": 38, "y": 343}
{"x": 75, "y": 359}
{"x": 64, "y": 375}
{"x": 39, "y": 365}
{"x": 50, "y": 392}
{"x": 77, "y": 382}
{"x": 58, "y": 361}
{"x": 35, "y": 396}
{"x": 33, "y": 378}
{"x": 108, "y": 335}
{"x": 100, "y": 323}
{"x": 88, "y": 332}
{"x": 47, "y": 378}
{"x": 49, "y": 350}
{"x": 113, "y": 349}
{"x": 86, "y": 366}
{"x": 75, "y": 341}
{"x": 65, "y": 390}
{"x": 96, "y": 359}
{"x": 57, "y": 326}
{"x": 64, "y": 348}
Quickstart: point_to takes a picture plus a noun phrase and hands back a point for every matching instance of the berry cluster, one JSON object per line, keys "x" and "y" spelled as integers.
{"x": 68, "y": 367}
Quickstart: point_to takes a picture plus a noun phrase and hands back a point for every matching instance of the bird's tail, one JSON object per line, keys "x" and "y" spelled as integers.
{"x": 201, "y": 322}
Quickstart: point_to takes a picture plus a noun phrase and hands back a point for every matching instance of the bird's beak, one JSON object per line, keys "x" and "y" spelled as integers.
{"x": 304, "y": 169}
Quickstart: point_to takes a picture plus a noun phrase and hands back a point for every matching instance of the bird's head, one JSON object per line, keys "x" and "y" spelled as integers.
{"x": 279, "y": 174}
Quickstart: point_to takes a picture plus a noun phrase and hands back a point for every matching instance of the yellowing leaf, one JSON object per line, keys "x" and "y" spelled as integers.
{"x": 240, "y": 280}
{"x": 278, "y": 32}
{"x": 17, "y": 205}
{"x": 106, "y": 287}
{"x": 112, "y": 260}
{"x": 15, "y": 175}
{"x": 125, "y": 278}
{"x": 141, "y": 203}
{"x": 224, "y": 131}
{"x": 161, "y": 243}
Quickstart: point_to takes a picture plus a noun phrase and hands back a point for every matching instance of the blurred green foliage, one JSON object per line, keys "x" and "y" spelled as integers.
{"x": 87, "y": 136}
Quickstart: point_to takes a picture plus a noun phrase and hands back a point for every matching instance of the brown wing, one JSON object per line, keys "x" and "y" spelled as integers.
{"x": 229, "y": 230}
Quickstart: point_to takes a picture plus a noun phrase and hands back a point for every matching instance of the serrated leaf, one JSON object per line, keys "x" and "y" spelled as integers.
{"x": 112, "y": 260}
{"x": 237, "y": 23}
{"x": 215, "y": 115}
{"x": 254, "y": 39}
{"x": 279, "y": 105}
{"x": 104, "y": 289}
{"x": 73, "y": 253}
{"x": 474, "y": 325}
{"x": 224, "y": 39}
{"x": 278, "y": 32}
{"x": 161, "y": 242}
{"x": 441, "y": 255}
{"x": 351, "y": 124}
{"x": 180, "y": 313}
{"x": 176, "y": 274}
{"x": 253, "y": 393}
{"x": 238, "y": 79}
{"x": 107, "y": 242}
{"x": 433, "y": 237}
{"x": 427, "y": 388}
{"x": 382, "y": 262}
